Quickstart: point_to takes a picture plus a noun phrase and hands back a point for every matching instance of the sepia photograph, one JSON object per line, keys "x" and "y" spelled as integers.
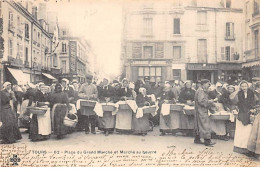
{"x": 129, "y": 83}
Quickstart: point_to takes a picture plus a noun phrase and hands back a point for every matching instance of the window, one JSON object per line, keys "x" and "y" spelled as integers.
{"x": 26, "y": 54}
{"x": 202, "y": 17}
{"x": 34, "y": 35}
{"x": 176, "y": 26}
{"x": 55, "y": 60}
{"x": 64, "y": 48}
{"x": 19, "y": 53}
{"x": 176, "y": 74}
{"x": 256, "y": 7}
{"x": 64, "y": 33}
{"x": 39, "y": 37}
{"x": 10, "y": 52}
{"x": 228, "y": 3}
{"x": 26, "y": 33}
{"x": 202, "y": 50}
{"x": 154, "y": 72}
{"x": 230, "y": 30}
{"x": 176, "y": 52}
{"x": 11, "y": 21}
{"x": 148, "y": 52}
{"x": 227, "y": 53}
{"x": 63, "y": 64}
{"x": 256, "y": 43}
{"x": 247, "y": 41}
{"x": 148, "y": 26}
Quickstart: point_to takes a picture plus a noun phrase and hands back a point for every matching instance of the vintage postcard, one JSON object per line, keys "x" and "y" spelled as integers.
{"x": 135, "y": 83}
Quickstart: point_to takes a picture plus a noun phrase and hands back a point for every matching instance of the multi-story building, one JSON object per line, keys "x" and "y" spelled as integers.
{"x": 72, "y": 54}
{"x": 251, "y": 61}
{"x": 191, "y": 39}
{"x": 27, "y": 43}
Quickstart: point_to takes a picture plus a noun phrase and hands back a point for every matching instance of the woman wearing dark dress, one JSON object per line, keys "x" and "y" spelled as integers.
{"x": 141, "y": 125}
{"x": 246, "y": 101}
{"x": 8, "y": 124}
{"x": 59, "y": 102}
{"x": 187, "y": 94}
{"x": 39, "y": 96}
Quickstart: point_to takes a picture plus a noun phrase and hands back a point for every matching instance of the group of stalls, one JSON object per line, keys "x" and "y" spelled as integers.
{"x": 125, "y": 116}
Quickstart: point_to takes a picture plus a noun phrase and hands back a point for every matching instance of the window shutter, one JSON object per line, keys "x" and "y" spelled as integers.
{"x": 232, "y": 30}
{"x": 232, "y": 54}
{"x": 222, "y": 53}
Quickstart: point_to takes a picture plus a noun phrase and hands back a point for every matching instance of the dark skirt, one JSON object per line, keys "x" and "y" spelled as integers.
{"x": 9, "y": 131}
{"x": 60, "y": 111}
{"x": 34, "y": 130}
{"x": 141, "y": 125}
{"x": 107, "y": 122}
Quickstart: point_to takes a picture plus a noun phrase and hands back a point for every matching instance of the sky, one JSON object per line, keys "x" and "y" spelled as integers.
{"x": 100, "y": 23}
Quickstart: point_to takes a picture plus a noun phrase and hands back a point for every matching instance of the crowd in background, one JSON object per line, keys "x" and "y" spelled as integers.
{"x": 61, "y": 97}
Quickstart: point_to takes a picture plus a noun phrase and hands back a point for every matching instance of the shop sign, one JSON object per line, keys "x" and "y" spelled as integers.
{"x": 199, "y": 66}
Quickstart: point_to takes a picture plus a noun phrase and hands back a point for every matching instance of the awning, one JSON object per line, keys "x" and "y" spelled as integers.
{"x": 251, "y": 64}
{"x": 49, "y": 76}
{"x": 19, "y": 76}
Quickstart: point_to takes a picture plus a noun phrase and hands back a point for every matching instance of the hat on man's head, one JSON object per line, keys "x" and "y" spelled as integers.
{"x": 256, "y": 79}
{"x": 115, "y": 81}
{"x": 74, "y": 81}
{"x": 89, "y": 76}
{"x": 146, "y": 78}
{"x": 204, "y": 81}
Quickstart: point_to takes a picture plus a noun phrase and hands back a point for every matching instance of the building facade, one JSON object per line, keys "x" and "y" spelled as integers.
{"x": 191, "y": 39}
{"x": 251, "y": 61}
{"x": 27, "y": 50}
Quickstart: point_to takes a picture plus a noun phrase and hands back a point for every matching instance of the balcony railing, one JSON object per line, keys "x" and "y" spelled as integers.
{"x": 230, "y": 37}
{"x": 15, "y": 62}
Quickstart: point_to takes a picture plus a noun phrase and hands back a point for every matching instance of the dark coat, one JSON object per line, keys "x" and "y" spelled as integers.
{"x": 61, "y": 98}
{"x": 106, "y": 91}
{"x": 141, "y": 100}
{"x": 186, "y": 94}
{"x": 125, "y": 93}
{"x": 9, "y": 130}
{"x": 202, "y": 122}
{"x": 245, "y": 105}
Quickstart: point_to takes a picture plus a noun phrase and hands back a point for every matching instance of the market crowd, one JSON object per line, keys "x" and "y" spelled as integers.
{"x": 60, "y": 102}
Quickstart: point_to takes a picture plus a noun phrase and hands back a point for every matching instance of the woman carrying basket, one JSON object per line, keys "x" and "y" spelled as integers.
{"x": 59, "y": 103}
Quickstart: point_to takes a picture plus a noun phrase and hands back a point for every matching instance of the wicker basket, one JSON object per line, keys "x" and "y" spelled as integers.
{"x": 37, "y": 110}
{"x": 70, "y": 123}
{"x": 108, "y": 108}
{"x": 40, "y": 104}
{"x": 177, "y": 107}
{"x": 220, "y": 117}
{"x": 87, "y": 103}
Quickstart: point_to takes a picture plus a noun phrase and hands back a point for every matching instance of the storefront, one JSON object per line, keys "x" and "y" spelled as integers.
{"x": 156, "y": 69}
{"x": 16, "y": 76}
{"x": 48, "y": 78}
{"x": 250, "y": 70}
{"x": 229, "y": 72}
{"x": 198, "y": 71}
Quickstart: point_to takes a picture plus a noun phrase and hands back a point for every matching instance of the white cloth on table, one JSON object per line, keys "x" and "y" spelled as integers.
{"x": 166, "y": 109}
{"x": 139, "y": 112}
{"x": 78, "y": 103}
{"x": 98, "y": 109}
{"x": 132, "y": 104}
{"x": 112, "y": 104}
{"x": 44, "y": 123}
{"x": 242, "y": 134}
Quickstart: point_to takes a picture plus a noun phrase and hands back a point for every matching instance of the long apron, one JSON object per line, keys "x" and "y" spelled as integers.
{"x": 124, "y": 119}
{"x": 254, "y": 138}
{"x": 242, "y": 135}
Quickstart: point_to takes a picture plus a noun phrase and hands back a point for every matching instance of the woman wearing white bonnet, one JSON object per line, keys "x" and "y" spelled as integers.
{"x": 9, "y": 127}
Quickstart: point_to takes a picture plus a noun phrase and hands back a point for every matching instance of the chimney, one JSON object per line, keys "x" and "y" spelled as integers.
{"x": 34, "y": 12}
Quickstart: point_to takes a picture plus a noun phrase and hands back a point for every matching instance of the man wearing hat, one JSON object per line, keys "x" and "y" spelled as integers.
{"x": 202, "y": 122}
{"x": 147, "y": 85}
{"x": 88, "y": 91}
